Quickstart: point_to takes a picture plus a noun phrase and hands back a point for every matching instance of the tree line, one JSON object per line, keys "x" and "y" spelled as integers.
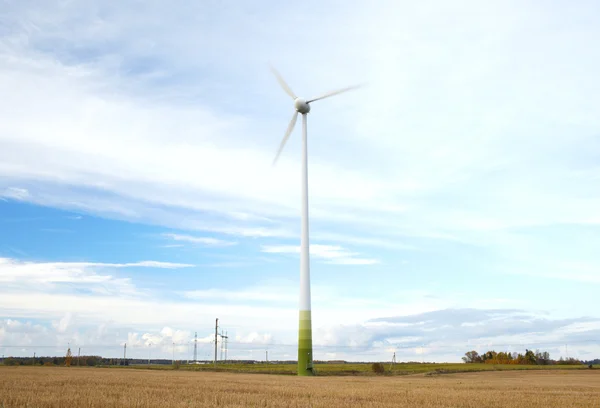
{"x": 89, "y": 361}
{"x": 530, "y": 358}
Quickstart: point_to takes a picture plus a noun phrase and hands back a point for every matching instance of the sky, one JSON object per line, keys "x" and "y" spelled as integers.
{"x": 454, "y": 198}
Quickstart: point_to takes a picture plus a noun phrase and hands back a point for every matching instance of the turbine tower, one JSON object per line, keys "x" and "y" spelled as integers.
{"x": 302, "y": 106}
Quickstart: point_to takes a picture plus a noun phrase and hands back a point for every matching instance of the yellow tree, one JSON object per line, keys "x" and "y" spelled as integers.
{"x": 68, "y": 358}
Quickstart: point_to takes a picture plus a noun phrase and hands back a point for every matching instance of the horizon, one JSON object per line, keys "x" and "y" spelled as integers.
{"x": 453, "y": 199}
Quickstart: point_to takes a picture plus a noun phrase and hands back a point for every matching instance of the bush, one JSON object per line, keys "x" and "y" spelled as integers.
{"x": 378, "y": 368}
{"x": 9, "y": 361}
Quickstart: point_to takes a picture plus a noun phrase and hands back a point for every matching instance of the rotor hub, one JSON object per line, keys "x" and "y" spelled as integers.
{"x": 301, "y": 106}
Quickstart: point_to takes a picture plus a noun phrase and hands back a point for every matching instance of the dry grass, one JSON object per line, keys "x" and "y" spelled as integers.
{"x": 92, "y": 387}
{"x": 361, "y": 369}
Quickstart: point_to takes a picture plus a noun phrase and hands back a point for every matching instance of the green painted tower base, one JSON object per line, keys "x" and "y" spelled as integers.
{"x": 305, "y": 352}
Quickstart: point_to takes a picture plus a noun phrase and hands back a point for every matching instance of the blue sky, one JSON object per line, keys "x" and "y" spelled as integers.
{"x": 454, "y": 199}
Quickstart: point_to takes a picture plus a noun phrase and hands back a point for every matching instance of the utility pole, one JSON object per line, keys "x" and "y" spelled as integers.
{"x": 267, "y": 356}
{"x": 78, "y": 356}
{"x": 393, "y": 364}
{"x": 223, "y": 343}
{"x": 216, "y": 338}
{"x": 33, "y": 358}
{"x": 124, "y": 353}
{"x": 149, "y": 349}
{"x": 173, "y": 359}
{"x": 195, "y": 347}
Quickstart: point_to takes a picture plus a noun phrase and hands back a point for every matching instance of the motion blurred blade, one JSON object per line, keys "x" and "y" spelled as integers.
{"x": 331, "y": 93}
{"x": 283, "y": 84}
{"x": 288, "y": 132}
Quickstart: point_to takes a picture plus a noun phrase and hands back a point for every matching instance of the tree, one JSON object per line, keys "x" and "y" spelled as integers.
{"x": 530, "y": 357}
{"x": 68, "y": 358}
{"x": 378, "y": 368}
{"x": 542, "y": 358}
{"x": 9, "y": 361}
{"x": 92, "y": 360}
{"x": 471, "y": 357}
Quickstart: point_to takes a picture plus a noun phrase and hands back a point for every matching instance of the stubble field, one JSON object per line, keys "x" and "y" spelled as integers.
{"x": 95, "y": 387}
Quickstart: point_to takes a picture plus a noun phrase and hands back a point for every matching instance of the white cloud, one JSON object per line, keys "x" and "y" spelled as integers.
{"x": 443, "y": 334}
{"x": 255, "y": 338}
{"x": 103, "y": 324}
{"x": 397, "y": 243}
{"x": 148, "y": 264}
{"x": 199, "y": 240}
{"x": 63, "y": 324}
{"x": 19, "y": 275}
{"x": 330, "y": 253}
{"x": 76, "y": 297}
{"x": 341, "y": 188}
{"x": 157, "y": 145}
{"x": 568, "y": 271}
{"x": 15, "y": 332}
{"x": 264, "y": 294}
{"x": 15, "y": 193}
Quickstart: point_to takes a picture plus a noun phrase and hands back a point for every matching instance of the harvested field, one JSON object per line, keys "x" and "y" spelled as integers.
{"x": 94, "y": 387}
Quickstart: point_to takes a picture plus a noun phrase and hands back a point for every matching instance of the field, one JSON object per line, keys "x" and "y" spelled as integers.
{"x": 360, "y": 369}
{"x": 95, "y": 387}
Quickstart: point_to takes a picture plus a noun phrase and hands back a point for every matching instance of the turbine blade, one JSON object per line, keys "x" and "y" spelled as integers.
{"x": 288, "y": 132}
{"x": 331, "y": 93}
{"x": 282, "y": 82}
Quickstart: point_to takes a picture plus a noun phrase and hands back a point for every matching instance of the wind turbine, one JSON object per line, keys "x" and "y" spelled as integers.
{"x": 302, "y": 106}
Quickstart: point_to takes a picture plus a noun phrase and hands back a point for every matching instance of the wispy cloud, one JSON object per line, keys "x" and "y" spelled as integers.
{"x": 92, "y": 277}
{"x": 265, "y": 294}
{"x": 409, "y": 176}
{"x": 15, "y": 193}
{"x": 57, "y": 230}
{"x": 482, "y": 327}
{"x": 140, "y": 264}
{"x": 255, "y": 338}
{"x": 398, "y": 243}
{"x": 566, "y": 271}
{"x": 155, "y": 264}
{"x": 17, "y": 276}
{"x": 332, "y": 254}
{"x": 207, "y": 241}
